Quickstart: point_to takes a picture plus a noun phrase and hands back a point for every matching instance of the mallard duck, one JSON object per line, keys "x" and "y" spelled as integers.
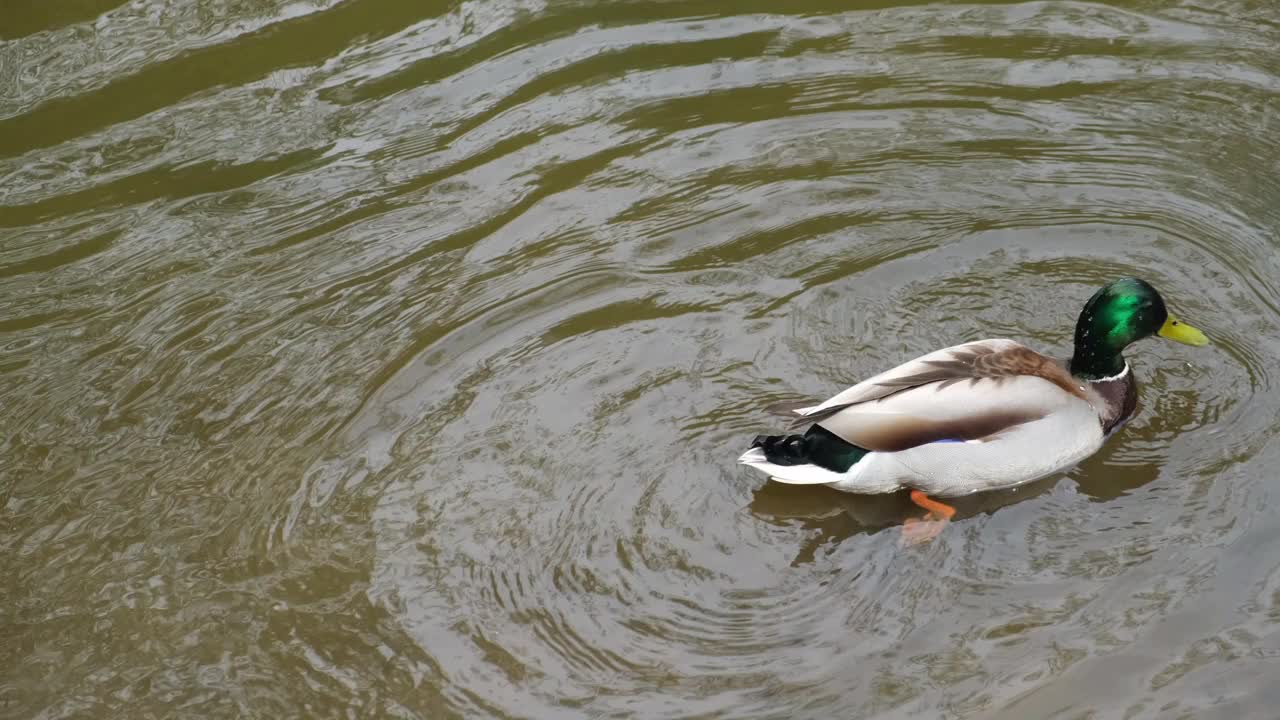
{"x": 985, "y": 415}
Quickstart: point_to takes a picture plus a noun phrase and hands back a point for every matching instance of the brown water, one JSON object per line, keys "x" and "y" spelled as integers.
{"x": 384, "y": 358}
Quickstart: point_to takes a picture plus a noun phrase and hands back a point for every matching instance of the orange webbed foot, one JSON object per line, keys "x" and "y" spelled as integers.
{"x": 916, "y": 531}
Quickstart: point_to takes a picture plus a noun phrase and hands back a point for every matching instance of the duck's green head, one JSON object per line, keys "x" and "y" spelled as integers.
{"x": 1121, "y": 313}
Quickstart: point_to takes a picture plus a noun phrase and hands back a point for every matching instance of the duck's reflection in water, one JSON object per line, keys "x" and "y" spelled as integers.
{"x": 837, "y": 516}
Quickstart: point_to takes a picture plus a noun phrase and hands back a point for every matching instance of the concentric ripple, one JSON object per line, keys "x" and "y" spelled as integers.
{"x": 387, "y": 359}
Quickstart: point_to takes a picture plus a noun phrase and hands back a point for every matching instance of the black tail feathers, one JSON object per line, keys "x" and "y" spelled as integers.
{"x": 783, "y": 449}
{"x": 818, "y": 446}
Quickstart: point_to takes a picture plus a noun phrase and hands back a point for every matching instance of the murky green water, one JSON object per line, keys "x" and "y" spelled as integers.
{"x": 384, "y": 358}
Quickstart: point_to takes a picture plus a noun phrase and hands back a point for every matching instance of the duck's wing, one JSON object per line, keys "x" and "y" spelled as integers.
{"x": 974, "y": 391}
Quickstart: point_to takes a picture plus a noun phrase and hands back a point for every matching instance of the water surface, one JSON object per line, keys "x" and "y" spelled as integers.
{"x": 380, "y": 358}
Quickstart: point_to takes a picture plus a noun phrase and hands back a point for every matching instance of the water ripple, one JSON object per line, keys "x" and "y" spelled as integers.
{"x": 371, "y": 358}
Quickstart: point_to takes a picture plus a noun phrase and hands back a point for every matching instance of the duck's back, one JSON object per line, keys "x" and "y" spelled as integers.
{"x": 1025, "y": 452}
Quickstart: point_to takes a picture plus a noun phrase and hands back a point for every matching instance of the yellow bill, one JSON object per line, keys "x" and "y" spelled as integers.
{"x": 1178, "y": 331}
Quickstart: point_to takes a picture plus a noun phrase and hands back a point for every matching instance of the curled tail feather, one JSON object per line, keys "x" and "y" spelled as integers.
{"x": 818, "y": 446}
{"x": 783, "y": 449}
